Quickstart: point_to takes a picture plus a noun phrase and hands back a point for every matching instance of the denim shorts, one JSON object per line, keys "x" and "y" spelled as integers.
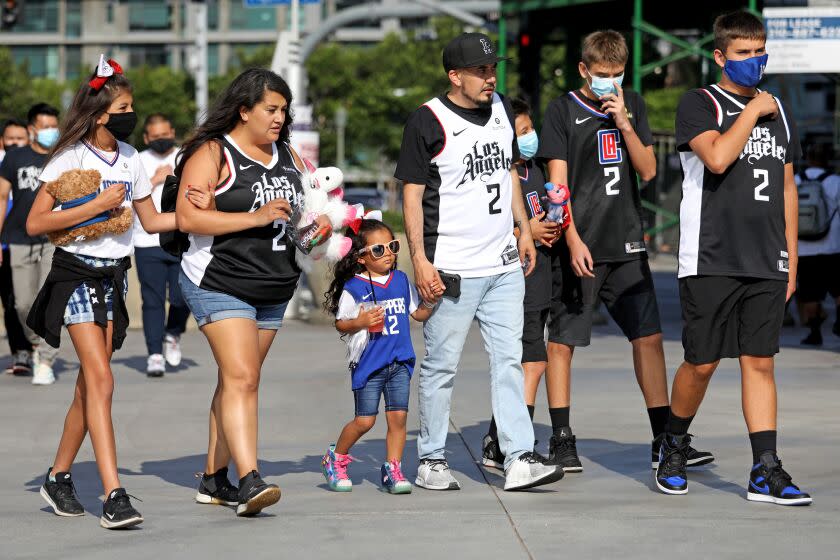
{"x": 394, "y": 381}
{"x": 80, "y": 305}
{"x": 209, "y": 307}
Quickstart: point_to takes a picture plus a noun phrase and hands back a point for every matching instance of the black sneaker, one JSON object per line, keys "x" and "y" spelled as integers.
{"x": 562, "y": 451}
{"x": 693, "y": 457}
{"x": 770, "y": 483}
{"x": 814, "y": 338}
{"x": 61, "y": 495}
{"x": 670, "y": 475}
{"x": 255, "y": 494}
{"x": 117, "y": 511}
{"x": 217, "y": 489}
{"x": 492, "y": 456}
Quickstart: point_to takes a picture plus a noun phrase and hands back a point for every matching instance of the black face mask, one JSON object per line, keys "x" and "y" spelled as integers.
{"x": 161, "y": 145}
{"x": 121, "y": 125}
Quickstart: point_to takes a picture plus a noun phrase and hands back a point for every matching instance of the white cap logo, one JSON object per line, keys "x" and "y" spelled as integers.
{"x": 485, "y": 44}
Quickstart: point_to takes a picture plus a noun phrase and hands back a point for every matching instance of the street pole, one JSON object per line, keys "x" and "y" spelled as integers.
{"x": 200, "y": 60}
{"x": 295, "y": 70}
{"x": 340, "y": 127}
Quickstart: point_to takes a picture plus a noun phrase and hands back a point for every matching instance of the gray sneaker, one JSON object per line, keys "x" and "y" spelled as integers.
{"x": 434, "y": 474}
{"x": 529, "y": 470}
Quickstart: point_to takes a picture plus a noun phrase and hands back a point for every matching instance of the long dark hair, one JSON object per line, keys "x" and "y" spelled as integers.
{"x": 80, "y": 121}
{"x": 349, "y": 266}
{"x": 246, "y": 90}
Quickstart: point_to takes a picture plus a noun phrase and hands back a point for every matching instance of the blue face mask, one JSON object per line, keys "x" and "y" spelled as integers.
{"x": 603, "y": 86}
{"x": 528, "y": 144}
{"x": 747, "y": 72}
{"x": 47, "y": 137}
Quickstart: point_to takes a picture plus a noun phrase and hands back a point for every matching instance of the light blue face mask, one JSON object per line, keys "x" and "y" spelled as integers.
{"x": 47, "y": 137}
{"x": 528, "y": 144}
{"x": 603, "y": 86}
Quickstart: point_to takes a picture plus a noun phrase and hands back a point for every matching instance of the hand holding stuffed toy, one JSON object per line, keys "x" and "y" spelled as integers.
{"x": 80, "y": 186}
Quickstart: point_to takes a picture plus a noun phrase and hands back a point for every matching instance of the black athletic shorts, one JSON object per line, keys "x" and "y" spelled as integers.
{"x": 626, "y": 288}
{"x": 533, "y": 336}
{"x": 818, "y": 277}
{"x": 729, "y": 317}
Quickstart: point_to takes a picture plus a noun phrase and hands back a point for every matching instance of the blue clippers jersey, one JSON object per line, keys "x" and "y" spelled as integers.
{"x": 394, "y": 343}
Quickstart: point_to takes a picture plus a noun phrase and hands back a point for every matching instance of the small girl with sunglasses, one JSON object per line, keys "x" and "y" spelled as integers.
{"x": 372, "y": 301}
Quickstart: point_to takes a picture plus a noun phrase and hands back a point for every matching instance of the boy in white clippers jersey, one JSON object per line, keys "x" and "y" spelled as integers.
{"x": 738, "y": 243}
{"x": 461, "y": 201}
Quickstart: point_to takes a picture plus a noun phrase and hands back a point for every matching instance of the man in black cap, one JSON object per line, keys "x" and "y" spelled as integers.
{"x": 461, "y": 201}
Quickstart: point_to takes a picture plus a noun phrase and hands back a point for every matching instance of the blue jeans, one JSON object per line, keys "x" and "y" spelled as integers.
{"x": 157, "y": 271}
{"x": 497, "y": 303}
{"x": 394, "y": 381}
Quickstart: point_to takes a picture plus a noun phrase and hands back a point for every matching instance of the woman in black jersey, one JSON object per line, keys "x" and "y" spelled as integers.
{"x": 239, "y": 272}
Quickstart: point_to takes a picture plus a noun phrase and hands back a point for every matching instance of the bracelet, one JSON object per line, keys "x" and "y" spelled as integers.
{"x": 428, "y": 305}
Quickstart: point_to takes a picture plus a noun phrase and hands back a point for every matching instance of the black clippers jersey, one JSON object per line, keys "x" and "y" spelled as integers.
{"x": 605, "y": 193}
{"x": 733, "y": 224}
{"x": 255, "y": 265}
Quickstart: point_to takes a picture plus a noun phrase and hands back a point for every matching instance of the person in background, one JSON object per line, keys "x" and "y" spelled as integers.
{"x": 13, "y": 134}
{"x": 157, "y": 270}
{"x": 819, "y": 259}
{"x": 30, "y": 255}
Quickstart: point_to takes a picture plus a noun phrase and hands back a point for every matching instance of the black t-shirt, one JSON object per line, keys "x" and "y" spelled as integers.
{"x": 424, "y": 137}
{"x": 538, "y": 284}
{"x": 602, "y": 181}
{"x": 21, "y": 167}
{"x": 733, "y": 224}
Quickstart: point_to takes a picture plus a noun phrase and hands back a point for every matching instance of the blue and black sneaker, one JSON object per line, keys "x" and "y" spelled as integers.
{"x": 769, "y": 482}
{"x": 670, "y": 474}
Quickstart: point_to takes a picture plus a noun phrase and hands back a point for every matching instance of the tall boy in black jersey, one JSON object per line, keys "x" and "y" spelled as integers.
{"x": 738, "y": 242}
{"x": 596, "y": 140}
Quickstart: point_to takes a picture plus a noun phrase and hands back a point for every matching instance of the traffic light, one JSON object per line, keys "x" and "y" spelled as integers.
{"x": 10, "y": 14}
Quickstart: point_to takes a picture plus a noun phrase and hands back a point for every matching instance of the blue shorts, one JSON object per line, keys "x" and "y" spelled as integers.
{"x": 80, "y": 305}
{"x": 209, "y": 307}
{"x": 394, "y": 381}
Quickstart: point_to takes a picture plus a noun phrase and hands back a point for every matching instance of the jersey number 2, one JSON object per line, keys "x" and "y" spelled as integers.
{"x": 277, "y": 244}
{"x": 612, "y": 172}
{"x": 495, "y": 188}
{"x": 761, "y": 174}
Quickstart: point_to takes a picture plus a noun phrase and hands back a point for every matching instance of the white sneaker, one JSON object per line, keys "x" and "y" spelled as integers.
{"x": 155, "y": 366}
{"x": 434, "y": 474}
{"x": 43, "y": 375}
{"x": 529, "y": 470}
{"x": 172, "y": 350}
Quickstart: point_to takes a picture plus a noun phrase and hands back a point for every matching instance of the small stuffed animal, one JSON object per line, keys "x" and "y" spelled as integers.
{"x": 322, "y": 196}
{"x": 74, "y": 188}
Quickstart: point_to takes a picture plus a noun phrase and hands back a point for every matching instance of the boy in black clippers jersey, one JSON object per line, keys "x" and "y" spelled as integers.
{"x": 738, "y": 243}
{"x": 596, "y": 140}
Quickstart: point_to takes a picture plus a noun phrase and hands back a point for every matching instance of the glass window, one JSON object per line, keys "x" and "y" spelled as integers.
{"x": 73, "y": 56}
{"x": 149, "y": 15}
{"x": 213, "y": 60}
{"x": 212, "y": 15}
{"x": 149, "y": 55}
{"x": 74, "y": 18}
{"x": 301, "y": 17}
{"x": 252, "y": 18}
{"x": 37, "y": 16}
{"x": 41, "y": 62}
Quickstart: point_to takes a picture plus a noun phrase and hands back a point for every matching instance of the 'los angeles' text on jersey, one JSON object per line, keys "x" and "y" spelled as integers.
{"x": 733, "y": 223}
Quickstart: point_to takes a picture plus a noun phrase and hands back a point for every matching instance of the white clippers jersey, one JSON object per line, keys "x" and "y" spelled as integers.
{"x": 468, "y": 221}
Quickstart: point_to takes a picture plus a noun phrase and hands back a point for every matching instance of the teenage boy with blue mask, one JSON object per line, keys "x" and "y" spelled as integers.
{"x": 596, "y": 140}
{"x": 738, "y": 251}
{"x": 31, "y": 256}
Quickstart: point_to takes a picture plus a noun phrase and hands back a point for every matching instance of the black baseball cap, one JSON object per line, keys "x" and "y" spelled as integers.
{"x": 469, "y": 49}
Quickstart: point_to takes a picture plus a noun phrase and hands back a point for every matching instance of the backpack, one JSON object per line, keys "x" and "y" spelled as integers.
{"x": 173, "y": 242}
{"x": 814, "y": 216}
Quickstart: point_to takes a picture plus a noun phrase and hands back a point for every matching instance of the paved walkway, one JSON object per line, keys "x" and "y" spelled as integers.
{"x": 610, "y": 510}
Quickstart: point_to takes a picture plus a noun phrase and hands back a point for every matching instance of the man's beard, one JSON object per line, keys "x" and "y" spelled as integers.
{"x": 483, "y": 103}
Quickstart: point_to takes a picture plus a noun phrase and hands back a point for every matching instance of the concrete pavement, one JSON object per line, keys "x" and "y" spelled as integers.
{"x": 610, "y": 510}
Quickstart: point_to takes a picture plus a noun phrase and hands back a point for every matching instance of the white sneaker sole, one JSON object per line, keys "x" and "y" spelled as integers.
{"x": 43, "y": 380}
{"x": 669, "y": 491}
{"x": 49, "y": 500}
{"x": 573, "y": 469}
{"x": 753, "y": 497}
{"x": 210, "y": 500}
{"x": 454, "y": 485}
{"x": 124, "y": 524}
{"x": 492, "y": 464}
{"x": 267, "y": 497}
{"x": 548, "y": 478}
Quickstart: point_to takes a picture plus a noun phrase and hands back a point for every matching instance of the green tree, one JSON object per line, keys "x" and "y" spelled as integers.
{"x": 18, "y": 91}
{"x": 163, "y": 90}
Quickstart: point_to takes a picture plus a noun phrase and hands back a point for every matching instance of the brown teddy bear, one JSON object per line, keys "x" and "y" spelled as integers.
{"x": 79, "y": 186}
